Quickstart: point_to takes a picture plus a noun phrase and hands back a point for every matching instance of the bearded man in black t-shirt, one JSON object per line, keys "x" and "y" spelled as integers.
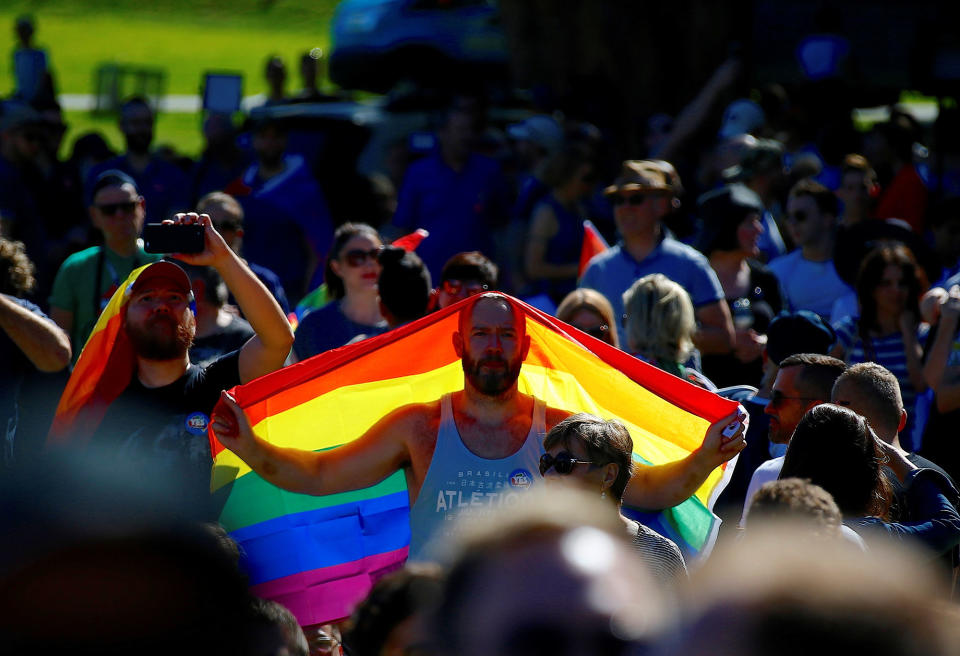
{"x": 159, "y": 423}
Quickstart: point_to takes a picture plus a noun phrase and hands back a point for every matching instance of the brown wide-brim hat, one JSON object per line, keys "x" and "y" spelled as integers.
{"x": 640, "y": 175}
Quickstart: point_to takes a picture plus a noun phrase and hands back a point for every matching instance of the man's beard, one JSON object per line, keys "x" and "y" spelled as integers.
{"x": 153, "y": 342}
{"x": 495, "y": 381}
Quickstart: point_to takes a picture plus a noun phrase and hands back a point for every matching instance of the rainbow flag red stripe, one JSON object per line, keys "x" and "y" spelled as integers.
{"x": 319, "y": 555}
{"x": 103, "y": 371}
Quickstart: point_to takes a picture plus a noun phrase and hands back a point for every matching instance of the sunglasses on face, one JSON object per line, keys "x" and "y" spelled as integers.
{"x": 633, "y": 200}
{"x": 456, "y": 287}
{"x": 110, "y": 209}
{"x": 563, "y": 463}
{"x": 799, "y": 216}
{"x": 777, "y": 398}
{"x": 600, "y": 332}
{"x": 357, "y": 257}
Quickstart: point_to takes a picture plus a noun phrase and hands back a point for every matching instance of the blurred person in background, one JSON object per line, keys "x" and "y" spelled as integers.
{"x": 799, "y": 501}
{"x": 858, "y": 190}
{"x": 730, "y": 239}
{"x": 642, "y": 195}
{"x": 310, "y": 63}
{"x": 227, "y": 216}
{"x": 275, "y": 73}
{"x": 807, "y": 275}
{"x": 555, "y": 236}
{"x": 464, "y": 275}
{"x": 351, "y": 275}
{"x": 165, "y": 187}
{"x": 588, "y": 310}
{"x": 455, "y": 193}
{"x": 287, "y": 221}
{"x": 219, "y": 329}
{"x": 659, "y": 324}
{"x": 87, "y": 279}
{"x": 889, "y": 330}
{"x": 584, "y": 589}
{"x": 221, "y": 160}
{"x": 835, "y": 448}
{"x": 394, "y": 618}
{"x": 597, "y": 455}
{"x": 782, "y": 591}
{"x": 403, "y": 286}
{"x": 29, "y": 342}
{"x": 889, "y": 147}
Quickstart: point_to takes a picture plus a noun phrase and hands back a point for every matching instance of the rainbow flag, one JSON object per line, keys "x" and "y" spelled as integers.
{"x": 319, "y": 555}
{"x": 103, "y": 371}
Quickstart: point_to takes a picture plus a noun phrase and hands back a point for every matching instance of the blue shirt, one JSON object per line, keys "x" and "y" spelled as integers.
{"x": 460, "y": 209}
{"x": 286, "y": 217}
{"x": 808, "y": 285}
{"x": 613, "y": 272}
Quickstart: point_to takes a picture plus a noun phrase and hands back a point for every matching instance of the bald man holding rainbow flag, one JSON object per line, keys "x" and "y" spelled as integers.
{"x": 446, "y": 415}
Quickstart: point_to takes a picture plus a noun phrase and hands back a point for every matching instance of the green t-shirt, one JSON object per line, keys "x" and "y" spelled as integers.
{"x": 73, "y": 288}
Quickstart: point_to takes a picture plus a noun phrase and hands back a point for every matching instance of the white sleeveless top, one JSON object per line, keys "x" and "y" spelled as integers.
{"x": 460, "y": 483}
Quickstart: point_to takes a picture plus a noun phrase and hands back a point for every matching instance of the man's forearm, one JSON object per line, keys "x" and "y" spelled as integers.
{"x": 44, "y": 344}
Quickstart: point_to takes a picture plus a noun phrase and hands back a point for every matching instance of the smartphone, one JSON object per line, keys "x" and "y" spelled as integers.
{"x": 172, "y": 238}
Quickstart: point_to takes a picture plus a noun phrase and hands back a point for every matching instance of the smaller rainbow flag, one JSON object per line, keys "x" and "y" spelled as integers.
{"x": 320, "y": 555}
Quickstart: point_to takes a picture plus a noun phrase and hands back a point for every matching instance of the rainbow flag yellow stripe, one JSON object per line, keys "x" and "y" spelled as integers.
{"x": 319, "y": 555}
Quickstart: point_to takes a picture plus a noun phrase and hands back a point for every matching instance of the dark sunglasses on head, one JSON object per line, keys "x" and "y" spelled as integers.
{"x": 112, "y": 208}
{"x": 357, "y": 257}
{"x": 454, "y": 287}
{"x": 633, "y": 199}
{"x": 563, "y": 464}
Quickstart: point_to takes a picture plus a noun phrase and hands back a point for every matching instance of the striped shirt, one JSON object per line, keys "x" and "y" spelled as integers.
{"x": 887, "y": 351}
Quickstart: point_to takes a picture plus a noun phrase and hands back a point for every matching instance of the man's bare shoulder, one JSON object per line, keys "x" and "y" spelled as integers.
{"x": 415, "y": 416}
{"x": 555, "y": 415}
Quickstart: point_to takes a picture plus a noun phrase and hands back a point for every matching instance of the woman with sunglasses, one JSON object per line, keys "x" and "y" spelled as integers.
{"x": 597, "y": 455}
{"x": 889, "y": 331}
{"x": 659, "y": 323}
{"x": 590, "y": 311}
{"x": 353, "y": 309}
{"x": 730, "y": 239}
{"x": 554, "y": 240}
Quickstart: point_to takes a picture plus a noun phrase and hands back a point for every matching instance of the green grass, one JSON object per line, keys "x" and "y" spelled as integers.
{"x": 183, "y": 38}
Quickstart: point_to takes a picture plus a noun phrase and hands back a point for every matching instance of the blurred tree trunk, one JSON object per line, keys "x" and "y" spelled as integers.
{"x": 616, "y": 62}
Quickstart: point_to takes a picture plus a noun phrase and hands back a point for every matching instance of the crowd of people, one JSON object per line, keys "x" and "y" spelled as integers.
{"x": 810, "y": 272}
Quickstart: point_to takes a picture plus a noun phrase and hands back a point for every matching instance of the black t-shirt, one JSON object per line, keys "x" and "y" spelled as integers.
{"x": 231, "y": 337}
{"x": 162, "y": 431}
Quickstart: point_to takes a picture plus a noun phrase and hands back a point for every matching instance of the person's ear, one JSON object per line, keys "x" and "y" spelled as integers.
{"x": 610, "y": 472}
{"x": 458, "y": 343}
{"x": 903, "y": 420}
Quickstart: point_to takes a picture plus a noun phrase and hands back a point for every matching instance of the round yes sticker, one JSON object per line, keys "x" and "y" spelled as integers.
{"x": 520, "y": 478}
{"x": 197, "y": 423}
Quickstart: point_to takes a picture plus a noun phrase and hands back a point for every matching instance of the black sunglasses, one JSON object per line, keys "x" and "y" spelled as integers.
{"x": 563, "y": 464}
{"x": 633, "y": 199}
{"x": 779, "y": 397}
{"x": 357, "y": 257}
{"x": 799, "y": 216}
{"x": 600, "y": 332}
{"x": 112, "y": 208}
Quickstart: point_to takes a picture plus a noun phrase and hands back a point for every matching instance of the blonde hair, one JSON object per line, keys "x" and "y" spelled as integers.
{"x": 659, "y": 320}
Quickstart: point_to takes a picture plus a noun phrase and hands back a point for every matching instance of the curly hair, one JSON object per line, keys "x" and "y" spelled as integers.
{"x": 16, "y": 270}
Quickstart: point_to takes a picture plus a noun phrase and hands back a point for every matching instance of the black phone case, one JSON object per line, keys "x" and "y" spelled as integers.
{"x": 168, "y": 238}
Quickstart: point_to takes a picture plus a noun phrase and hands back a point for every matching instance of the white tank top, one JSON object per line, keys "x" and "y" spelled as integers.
{"x": 460, "y": 483}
